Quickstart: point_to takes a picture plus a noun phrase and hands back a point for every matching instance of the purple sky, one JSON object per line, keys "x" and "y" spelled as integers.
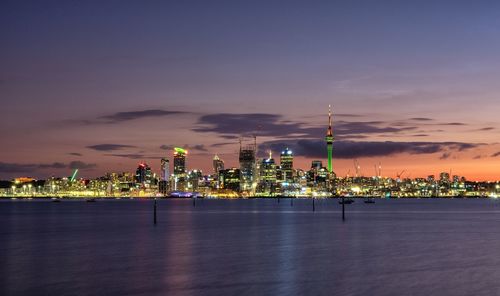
{"x": 102, "y": 85}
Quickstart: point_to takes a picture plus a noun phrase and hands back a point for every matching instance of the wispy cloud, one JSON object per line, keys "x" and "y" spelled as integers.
{"x": 134, "y": 115}
{"x": 109, "y": 147}
{"x": 34, "y": 167}
{"x": 359, "y": 149}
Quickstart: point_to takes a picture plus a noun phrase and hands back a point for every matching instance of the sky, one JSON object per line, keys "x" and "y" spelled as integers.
{"x": 103, "y": 85}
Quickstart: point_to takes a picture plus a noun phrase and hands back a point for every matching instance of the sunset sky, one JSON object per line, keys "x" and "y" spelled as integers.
{"x": 103, "y": 85}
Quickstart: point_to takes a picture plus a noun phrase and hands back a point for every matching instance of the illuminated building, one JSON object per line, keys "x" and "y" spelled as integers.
{"x": 179, "y": 161}
{"x": 218, "y": 165}
{"x": 163, "y": 185}
{"x": 165, "y": 169}
{"x": 247, "y": 167}
{"x": 268, "y": 170}
{"x": 180, "y": 182}
{"x": 143, "y": 175}
{"x": 286, "y": 165}
{"x": 329, "y": 140}
{"x": 195, "y": 177}
{"x": 230, "y": 179}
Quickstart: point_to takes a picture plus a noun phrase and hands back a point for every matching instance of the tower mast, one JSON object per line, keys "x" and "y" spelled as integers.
{"x": 329, "y": 139}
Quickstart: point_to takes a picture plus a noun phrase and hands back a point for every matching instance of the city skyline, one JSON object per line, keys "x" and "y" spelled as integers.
{"x": 413, "y": 86}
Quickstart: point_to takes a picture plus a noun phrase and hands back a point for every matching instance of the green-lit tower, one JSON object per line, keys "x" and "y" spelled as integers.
{"x": 329, "y": 139}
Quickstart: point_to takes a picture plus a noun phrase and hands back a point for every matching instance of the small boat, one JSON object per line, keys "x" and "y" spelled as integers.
{"x": 91, "y": 200}
{"x": 369, "y": 201}
{"x": 56, "y": 200}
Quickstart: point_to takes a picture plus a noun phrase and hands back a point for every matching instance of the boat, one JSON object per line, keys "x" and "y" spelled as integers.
{"x": 56, "y": 200}
{"x": 369, "y": 200}
{"x": 91, "y": 200}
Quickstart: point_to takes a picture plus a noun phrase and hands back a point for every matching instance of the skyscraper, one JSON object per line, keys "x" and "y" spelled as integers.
{"x": 218, "y": 165}
{"x": 179, "y": 161}
{"x": 163, "y": 185}
{"x": 286, "y": 163}
{"x": 143, "y": 175}
{"x": 180, "y": 180}
{"x": 165, "y": 169}
{"x": 329, "y": 140}
{"x": 247, "y": 167}
{"x": 268, "y": 170}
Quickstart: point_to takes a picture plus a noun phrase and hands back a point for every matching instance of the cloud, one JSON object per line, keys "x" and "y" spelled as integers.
{"x": 489, "y": 128}
{"x": 496, "y": 154}
{"x": 136, "y": 156}
{"x": 453, "y": 123}
{"x": 55, "y": 165}
{"x": 129, "y": 155}
{"x": 81, "y": 165}
{"x": 231, "y": 126}
{"x": 109, "y": 147}
{"x": 198, "y": 147}
{"x": 75, "y": 154}
{"x": 133, "y": 115}
{"x": 31, "y": 168}
{"x": 421, "y": 119}
{"x": 359, "y": 149}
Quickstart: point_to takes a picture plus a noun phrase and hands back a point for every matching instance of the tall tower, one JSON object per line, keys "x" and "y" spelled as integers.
{"x": 329, "y": 139}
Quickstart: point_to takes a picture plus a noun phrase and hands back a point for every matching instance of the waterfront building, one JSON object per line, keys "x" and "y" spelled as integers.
{"x": 165, "y": 169}
{"x": 179, "y": 161}
{"x": 267, "y": 182}
{"x": 143, "y": 175}
{"x": 229, "y": 179}
{"x": 247, "y": 168}
{"x": 286, "y": 165}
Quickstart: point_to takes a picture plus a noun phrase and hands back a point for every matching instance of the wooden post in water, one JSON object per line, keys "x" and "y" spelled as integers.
{"x": 278, "y": 199}
{"x": 291, "y": 201}
{"x": 154, "y": 215}
{"x": 314, "y": 206}
{"x": 194, "y": 201}
{"x": 343, "y": 209}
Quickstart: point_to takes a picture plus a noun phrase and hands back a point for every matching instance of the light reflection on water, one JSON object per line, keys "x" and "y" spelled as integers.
{"x": 250, "y": 247}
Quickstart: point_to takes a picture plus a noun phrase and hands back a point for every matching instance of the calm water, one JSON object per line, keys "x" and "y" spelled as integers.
{"x": 250, "y": 247}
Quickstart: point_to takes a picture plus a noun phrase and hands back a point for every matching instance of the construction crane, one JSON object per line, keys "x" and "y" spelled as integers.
{"x": 400, "y": 174}
{"x": 357, "y": 167}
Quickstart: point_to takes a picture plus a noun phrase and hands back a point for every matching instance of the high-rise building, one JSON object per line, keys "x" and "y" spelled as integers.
{"x": 286, "y": 165}
{"x": 180, "y": 179}
{"x": 163, "y": 185}
{"x": 268, "y": 170}
{"x": 165, "y": 169}
{"x": 179, "y": 161}
{"x": 218, "y": 165}
{"x": 143, "y": 175}
{"x": 247, "y": 167}
{"x": 329, "y": 140}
